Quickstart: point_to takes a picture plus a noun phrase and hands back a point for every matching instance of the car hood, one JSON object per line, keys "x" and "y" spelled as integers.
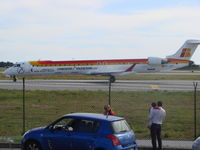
{"x": 35, "y": 130}
{"x": 38, "y": 129}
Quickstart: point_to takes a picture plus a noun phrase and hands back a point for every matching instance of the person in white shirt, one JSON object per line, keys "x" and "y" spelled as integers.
{"x": 157, "y": 116}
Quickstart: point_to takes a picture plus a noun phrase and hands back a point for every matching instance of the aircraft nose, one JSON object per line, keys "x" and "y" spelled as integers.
{"x": 7, "y": 72}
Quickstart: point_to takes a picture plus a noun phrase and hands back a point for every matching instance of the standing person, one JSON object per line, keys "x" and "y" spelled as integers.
{"x": 108, "y": 110}
{"x": 153, "y": 105}
{"x": 157, "y": 116}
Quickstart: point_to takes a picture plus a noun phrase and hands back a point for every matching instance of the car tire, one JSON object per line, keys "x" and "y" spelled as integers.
{"x": 32, "y": 145}
{"x": 99, "y": 149}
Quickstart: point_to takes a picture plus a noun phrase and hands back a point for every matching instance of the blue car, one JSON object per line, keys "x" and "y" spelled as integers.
{"x": 82, "y": 131}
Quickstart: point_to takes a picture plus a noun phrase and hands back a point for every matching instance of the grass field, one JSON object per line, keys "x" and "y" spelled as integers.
{"x": 130, "y": 77}
{"x": 2, "y": 69}
{"x": 42, "y": 107}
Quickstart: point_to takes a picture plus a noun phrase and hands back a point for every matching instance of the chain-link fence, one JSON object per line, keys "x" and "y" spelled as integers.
{"x": 43, "y": 107}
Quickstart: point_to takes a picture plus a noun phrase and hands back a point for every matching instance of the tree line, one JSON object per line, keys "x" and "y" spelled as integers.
{"x": 6, "y": 64}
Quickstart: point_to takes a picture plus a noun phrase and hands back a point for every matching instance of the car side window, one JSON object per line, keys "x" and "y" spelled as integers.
{"x": 68, "y": 124}
{"x": 88, "y": 126}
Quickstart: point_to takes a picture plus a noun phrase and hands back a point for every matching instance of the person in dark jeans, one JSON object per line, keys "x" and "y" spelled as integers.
{"x": 157, "y": 116}
{"x": 156, "y": 134}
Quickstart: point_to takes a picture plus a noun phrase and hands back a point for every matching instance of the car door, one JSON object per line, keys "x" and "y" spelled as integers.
{"x": 86, "y": 135}
{"x": 58, "y": 140}
{"x": 59, "y": 136}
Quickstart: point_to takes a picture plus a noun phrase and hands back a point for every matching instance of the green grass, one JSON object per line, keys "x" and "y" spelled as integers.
{"x": 130, "y": 77}
{"x": 2, "y": 69}
{"x": 42, "y": 107}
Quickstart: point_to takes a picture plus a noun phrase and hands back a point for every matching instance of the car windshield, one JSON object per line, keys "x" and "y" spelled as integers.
{"x": 120, "y": 126}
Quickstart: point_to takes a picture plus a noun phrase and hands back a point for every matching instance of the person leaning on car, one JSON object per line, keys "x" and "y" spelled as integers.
{"x": 108, "y": 110}
{"x": 157, "y": 116}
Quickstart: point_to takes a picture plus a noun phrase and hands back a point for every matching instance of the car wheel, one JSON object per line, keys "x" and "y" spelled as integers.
{"x": 32, "y": 145}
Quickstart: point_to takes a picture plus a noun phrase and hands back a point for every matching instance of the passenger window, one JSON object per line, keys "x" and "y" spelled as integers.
{"x": 88, "y": 126}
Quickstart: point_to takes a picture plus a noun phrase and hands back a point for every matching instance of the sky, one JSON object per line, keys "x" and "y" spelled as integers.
{"x": 96, "y": 29}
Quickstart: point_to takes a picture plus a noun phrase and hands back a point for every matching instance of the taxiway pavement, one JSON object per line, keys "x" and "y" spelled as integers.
{"x": 94, "y": 85}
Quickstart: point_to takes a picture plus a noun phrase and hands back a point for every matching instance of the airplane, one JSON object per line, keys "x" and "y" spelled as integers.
{"x": 111, "y": 68}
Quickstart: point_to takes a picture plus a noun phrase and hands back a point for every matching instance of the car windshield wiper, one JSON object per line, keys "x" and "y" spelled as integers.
{"x": 123, "y": 131}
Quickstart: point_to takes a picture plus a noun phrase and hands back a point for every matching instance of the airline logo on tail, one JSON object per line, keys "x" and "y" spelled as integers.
{"x": 186, "y": 52}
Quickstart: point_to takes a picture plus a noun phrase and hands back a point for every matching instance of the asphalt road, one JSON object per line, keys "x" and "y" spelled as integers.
{"x": 119, "y": 85}
{"x": 177, "y": 72}
{"x": 146, "y": 144}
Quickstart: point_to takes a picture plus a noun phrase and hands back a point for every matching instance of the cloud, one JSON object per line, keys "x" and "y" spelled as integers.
{"x": 75, "y": 29}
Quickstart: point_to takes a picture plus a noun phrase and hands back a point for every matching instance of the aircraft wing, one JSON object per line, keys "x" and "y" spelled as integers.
{"x": 114, "y": 73}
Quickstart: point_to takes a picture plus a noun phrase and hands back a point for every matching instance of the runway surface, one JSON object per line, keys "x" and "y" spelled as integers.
{"x": 175, "y": 72}
{"x": 94, "y": 85}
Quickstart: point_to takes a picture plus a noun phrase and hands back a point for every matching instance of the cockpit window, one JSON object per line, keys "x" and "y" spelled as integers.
{"x": 16, "y": 65}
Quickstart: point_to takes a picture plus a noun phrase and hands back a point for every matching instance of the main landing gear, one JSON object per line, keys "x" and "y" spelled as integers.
{"x": 14, "y": 79}
{"x": 112, "y": 79}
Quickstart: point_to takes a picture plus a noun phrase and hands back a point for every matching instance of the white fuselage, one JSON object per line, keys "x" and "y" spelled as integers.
{"x": 112, "y": 68}
{"x": 103, "y": 67}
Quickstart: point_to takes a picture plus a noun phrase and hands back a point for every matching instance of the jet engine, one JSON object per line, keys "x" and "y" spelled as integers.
{"x": 154, "y": 61}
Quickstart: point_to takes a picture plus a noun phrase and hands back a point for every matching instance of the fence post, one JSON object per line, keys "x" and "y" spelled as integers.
{"x": 109, "y": 98}
{"x": 23, "y": 106}
{"x": 195, "y": 109}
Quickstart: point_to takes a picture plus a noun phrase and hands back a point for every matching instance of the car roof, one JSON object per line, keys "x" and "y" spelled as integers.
{"x": 94, "y": 116}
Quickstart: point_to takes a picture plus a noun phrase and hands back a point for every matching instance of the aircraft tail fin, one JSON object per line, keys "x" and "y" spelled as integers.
{"x": 186, "y": 51}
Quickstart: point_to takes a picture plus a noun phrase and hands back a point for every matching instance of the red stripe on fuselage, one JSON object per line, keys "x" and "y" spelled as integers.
{"x": 178, "y": 60}
{"x": 117, "y": 61}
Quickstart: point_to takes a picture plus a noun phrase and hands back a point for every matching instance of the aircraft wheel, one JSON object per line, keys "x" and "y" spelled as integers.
{"x": 14, "y": 79}
{"x": 112, "y": 79}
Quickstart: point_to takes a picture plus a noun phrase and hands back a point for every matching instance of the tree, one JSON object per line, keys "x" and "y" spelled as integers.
{"x": 6, "y": 64}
